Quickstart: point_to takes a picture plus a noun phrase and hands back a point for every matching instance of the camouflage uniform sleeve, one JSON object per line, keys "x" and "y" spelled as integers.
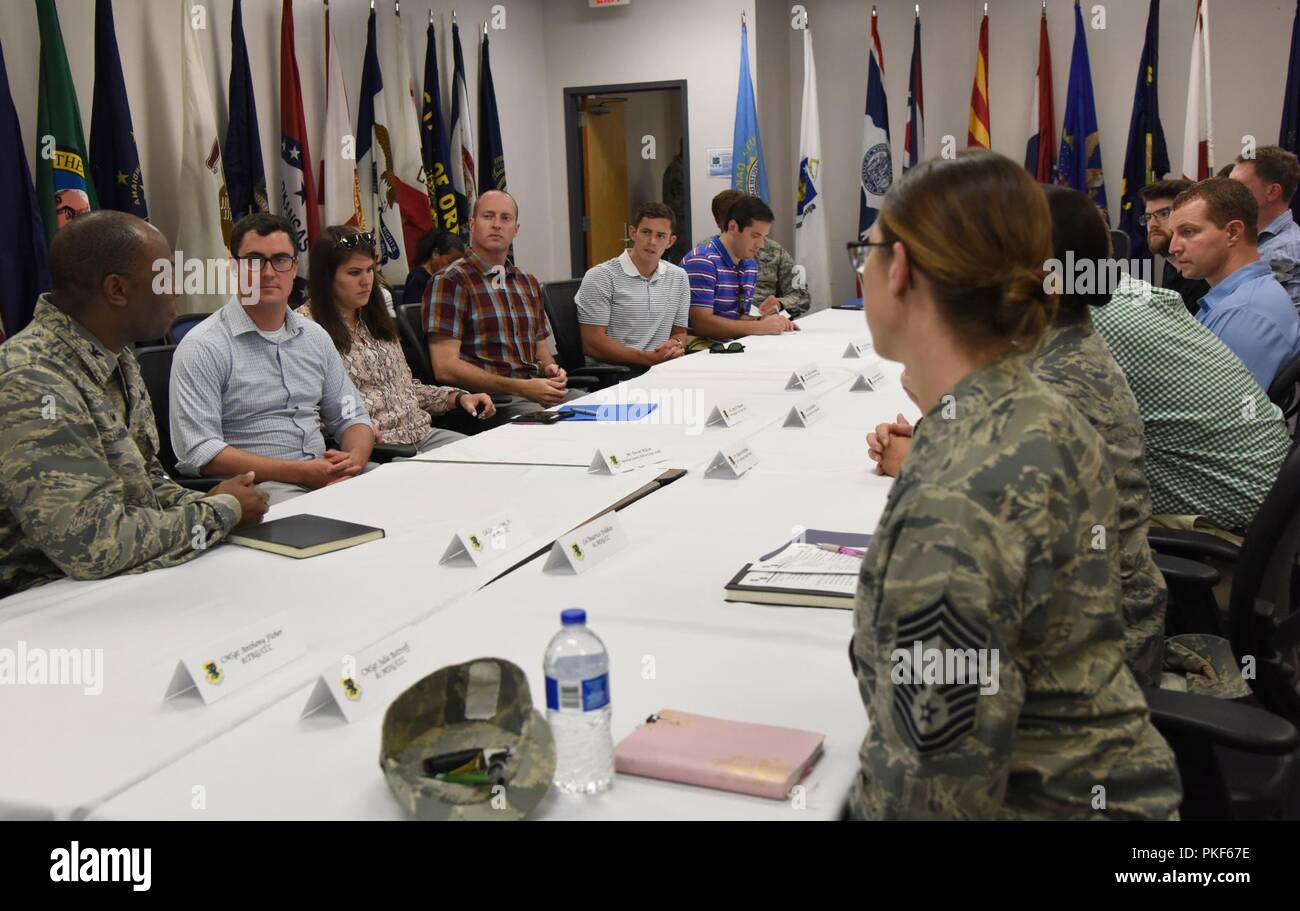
{"x": 56, "y": 479}
{"x": 796, "y": 301}
{"x": 949, "y": 584}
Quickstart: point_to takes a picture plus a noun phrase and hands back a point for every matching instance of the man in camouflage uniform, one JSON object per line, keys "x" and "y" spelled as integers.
{"x": 778, "y": 287}
{"x": 82, "y": 492}
{"x": 987, "y": 541}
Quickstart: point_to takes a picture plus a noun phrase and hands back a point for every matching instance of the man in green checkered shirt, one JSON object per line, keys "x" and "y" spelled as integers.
{"x": 1214, "y": 441}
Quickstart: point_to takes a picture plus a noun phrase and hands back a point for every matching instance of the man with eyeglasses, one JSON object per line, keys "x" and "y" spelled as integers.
{"x": 253, "y": 384}
{"x": 1159, "y": 198}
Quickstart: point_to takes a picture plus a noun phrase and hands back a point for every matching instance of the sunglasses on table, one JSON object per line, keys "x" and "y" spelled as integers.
{"x": 720, "y": 348}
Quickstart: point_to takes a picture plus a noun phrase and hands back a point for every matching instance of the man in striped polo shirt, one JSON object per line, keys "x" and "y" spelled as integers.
{"x": 722, "y": 272}
{"x": 484, "y": 320}
{"x": 634, "y": 308}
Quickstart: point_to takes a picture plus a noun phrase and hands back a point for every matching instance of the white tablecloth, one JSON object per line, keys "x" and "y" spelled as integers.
{"x": 68, "y": 750}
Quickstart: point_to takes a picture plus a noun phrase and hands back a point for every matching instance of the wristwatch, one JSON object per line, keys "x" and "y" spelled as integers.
{"x": 455, "y": 402}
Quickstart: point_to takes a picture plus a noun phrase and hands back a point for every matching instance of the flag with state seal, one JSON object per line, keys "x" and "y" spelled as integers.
{"x": 747, "y": 172}
{"x": 877, "y": 162}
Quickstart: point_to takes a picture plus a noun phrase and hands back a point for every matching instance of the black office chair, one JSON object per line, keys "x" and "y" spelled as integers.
{"x": 399, "y": 295}
{"x": 156, "y": 370}
{"x": 562, "y": 310}
{"x": 410, "y": 327}
{"x": 1121, "y": 243}
{"x": 182, "y": 325}
{"x": 1258, "y": 778}
{"x": 1284, "y": 391}
{"x": 1200, "y": 728}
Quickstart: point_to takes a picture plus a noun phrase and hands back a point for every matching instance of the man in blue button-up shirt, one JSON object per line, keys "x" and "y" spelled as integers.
{"x": 252, "y": 384}
{"x": 1272, "y": 177}
{"x": 1215, "y": 238}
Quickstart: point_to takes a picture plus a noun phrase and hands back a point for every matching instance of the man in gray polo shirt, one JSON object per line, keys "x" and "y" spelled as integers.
{"x": 253, "y": 383}
{"x": 634, "y": 309}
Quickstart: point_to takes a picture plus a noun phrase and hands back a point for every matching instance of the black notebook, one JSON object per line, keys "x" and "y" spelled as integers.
{"x": 305, "y": 536}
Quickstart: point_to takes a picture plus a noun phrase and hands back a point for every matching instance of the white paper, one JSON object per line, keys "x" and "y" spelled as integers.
{"x": 237, "y": 659}
{"x": 728, "y": 415}
{"x": 620, "y": 461}
{"x": 809, "y": 558}
{"x": 361, "y": 683}
{"x": 825, "y": 583}
{"x": 587, "y": 545}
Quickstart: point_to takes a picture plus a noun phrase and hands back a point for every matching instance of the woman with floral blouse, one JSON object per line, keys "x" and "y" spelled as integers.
{"x": 344, "y": 298}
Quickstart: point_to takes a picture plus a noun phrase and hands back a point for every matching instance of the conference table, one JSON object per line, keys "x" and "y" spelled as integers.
{"x": 674, "y": 642}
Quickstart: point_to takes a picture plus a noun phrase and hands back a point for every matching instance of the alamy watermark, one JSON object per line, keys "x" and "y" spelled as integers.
{"x": 23, "y": 666}
{"x": 1092, "y": 276}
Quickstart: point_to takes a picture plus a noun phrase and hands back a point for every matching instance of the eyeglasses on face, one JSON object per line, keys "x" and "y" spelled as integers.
{"x": 280, "y": 262}
{"x": 1161, "y": 215}
{"x": 720, "y": 348}
{"x": 859, "y": 250}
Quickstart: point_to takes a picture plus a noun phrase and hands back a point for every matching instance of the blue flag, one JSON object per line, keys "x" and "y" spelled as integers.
{"x": 748, "y": 174}
{"x": 1147, "y": 158}
{"x": 1290, "y": 132}
{"x": 23, "y": 260}
{"x": 443, "y": 201}
{"x": 491, "y": 155}
{"x": 114, "y": 159}
{"x": 245, "y": 175}
{"x": 1080, "y": 158}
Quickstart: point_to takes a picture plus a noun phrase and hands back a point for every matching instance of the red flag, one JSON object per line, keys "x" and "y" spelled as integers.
{"x": 297, "y": 182}
{"x": 1041, "y": 158}
{"x": 980, "y": 129}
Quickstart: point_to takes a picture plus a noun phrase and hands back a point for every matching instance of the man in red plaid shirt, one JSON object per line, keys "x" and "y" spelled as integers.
{"x": 485, "y": 322}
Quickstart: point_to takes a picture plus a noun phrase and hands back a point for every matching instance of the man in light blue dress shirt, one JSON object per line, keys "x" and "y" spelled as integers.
{"x": 254, "y": 383}
{"x": 1215, "y": 237}
{"x": 1272, "y": 177}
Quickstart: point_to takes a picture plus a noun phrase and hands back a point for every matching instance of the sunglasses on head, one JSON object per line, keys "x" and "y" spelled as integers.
{"x": 360, "y": 239}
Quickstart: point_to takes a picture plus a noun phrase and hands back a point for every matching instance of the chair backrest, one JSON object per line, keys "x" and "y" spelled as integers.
{"x": 562, "y": 310}
{"x": 410, "y": 326}
{"x": 399, "y": 295}
{"x": 156, "y": 371}
{"x": 1266, "y": 572}
{"x": 1122, "y": 244}
{"x": 183, "y": 324}
{"x": 1284, "y": 391}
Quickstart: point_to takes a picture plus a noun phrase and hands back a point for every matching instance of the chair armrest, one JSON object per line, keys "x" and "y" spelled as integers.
{"x": 1194, "y": 544}
{"x": 203, "y": 485}
{"x": 603, "y": 370}
{"x": 580, "y": 381}
{"x": 1178, "y": 569}
{"x": 1221, "y": 721}
{"x": 383, "y": 453}
{"x": 501, "y": 398}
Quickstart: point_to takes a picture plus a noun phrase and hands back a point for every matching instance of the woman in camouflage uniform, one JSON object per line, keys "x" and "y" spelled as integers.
{"x": 989, "y": 640}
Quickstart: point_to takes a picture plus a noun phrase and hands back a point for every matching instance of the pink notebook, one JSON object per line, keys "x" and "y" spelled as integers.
{"x": 754, "y": 759}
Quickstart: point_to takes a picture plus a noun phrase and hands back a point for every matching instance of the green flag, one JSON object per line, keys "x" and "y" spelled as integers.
{"x": 63, "y": 182}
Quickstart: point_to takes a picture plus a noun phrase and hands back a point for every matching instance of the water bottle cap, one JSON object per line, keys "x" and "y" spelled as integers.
{"x": 572, "y": 616}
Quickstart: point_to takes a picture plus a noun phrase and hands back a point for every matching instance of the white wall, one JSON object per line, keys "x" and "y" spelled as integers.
{"x": 549, "y": 45}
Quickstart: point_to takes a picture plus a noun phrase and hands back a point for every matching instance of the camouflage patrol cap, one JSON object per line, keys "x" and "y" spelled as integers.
{"x": 483, "y": 704}
{"x": 1204, "y": 664}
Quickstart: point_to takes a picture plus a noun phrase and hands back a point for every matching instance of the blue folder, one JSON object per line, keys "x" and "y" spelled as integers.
{"x": 609, "y": 412}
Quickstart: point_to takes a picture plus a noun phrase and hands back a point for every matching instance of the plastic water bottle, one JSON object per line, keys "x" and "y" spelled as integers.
{"x": 577, "y": 707}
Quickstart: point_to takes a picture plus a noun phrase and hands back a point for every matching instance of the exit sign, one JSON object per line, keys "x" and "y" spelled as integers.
{"x": 595, "y": 4}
